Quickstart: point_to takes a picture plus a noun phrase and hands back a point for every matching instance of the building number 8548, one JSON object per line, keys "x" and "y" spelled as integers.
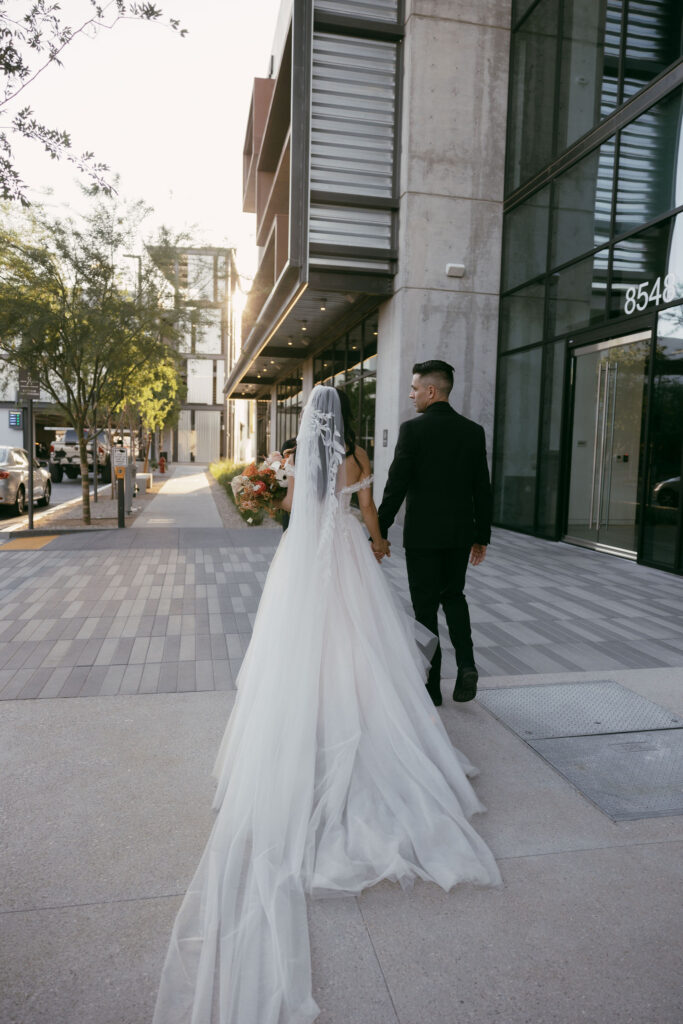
{"x": 639, "y": 296}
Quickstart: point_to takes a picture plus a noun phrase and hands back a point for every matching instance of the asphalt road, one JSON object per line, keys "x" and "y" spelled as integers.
{"x": 66, "y": 491}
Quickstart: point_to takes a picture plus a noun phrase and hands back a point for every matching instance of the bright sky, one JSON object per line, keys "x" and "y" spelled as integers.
{"x": 167, "y": 114}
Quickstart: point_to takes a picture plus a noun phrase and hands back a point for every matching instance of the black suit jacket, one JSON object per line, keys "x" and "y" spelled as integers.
{"x": 440, "y": 469}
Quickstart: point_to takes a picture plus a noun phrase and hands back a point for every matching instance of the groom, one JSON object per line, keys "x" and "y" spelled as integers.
{"x": 440, "y": 468}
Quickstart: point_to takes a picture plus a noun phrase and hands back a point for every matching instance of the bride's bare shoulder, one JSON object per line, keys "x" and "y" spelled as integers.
{"x": 357, "y": 465}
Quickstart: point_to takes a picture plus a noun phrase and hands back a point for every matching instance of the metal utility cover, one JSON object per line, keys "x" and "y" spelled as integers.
{"x": 629, "y": 775}
{"x": 575, "y": 709}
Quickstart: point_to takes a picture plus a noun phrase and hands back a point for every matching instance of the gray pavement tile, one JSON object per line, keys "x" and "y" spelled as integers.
{"x": 149, "y": 681}
{"x": 160, "y": 625}
{"x": 36, "y": 684}
{"x": 155, "y": 651}
{"x": 89, "y": 652}
{"x": 131, "y": 678}
{"x": 168, "y": 677}
{"x": 55, "y": 682}
{"x": 74, "y": 682}
{"x": 187, "y": 648}
{"x": 187, "y": 676}
{"x": 15, "y": 684}
{"x": 222, "y": 676}
{"x": 112, "y": 680}
{"x": 204, "y": 675}
{"x": 94, "y": 681}
{"x": 122, "y": 649}
{"x": 171, "y": 648}
{"x": 235, "y": 666}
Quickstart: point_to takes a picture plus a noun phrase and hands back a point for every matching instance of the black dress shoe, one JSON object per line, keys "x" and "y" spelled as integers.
{"x": 434, "y": 691}
{"x": 466, "y": 685}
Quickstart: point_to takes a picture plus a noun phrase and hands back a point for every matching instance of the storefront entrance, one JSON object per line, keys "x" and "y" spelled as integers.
{"x": 608, "y": 389}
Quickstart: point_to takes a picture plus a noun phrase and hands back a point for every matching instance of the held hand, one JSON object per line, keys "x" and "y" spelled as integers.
{"x": 477, "y": 554}
{"x": 381, "y": 549}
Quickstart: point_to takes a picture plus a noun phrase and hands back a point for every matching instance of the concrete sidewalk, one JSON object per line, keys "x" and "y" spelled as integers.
{"x": 184, "y": 500}
{"x": 107, "y": 795}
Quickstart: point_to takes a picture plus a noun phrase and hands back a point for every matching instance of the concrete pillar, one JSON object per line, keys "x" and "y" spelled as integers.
{"x": 273, "y": 418}
{"x": 451, "y": 191}
{"x": 307, "y": 383}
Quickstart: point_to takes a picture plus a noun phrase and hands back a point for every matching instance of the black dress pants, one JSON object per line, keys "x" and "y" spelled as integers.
{"x": 437, "y": 577}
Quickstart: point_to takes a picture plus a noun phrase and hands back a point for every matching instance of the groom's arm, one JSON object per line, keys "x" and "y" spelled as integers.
{"x": 401, "y": 472}
{"x": 482, "y": 495}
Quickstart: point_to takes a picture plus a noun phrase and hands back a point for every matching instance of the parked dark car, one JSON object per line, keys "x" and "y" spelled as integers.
{"x": 14, "y": 471}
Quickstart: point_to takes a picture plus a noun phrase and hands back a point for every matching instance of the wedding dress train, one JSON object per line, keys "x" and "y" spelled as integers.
{"x": 334, "y": 773}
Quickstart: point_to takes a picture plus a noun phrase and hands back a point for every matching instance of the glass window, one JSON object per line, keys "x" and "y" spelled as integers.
{"x": 551, "y": 431}
{"x": 577, "y": 295}
{"x": 589, "y": 67}
{"x": 521, "y": 317}
{"x": 208, "y": 332}
{"x": 582, "y": 206}
{"x": 525, "y": 240}
{"x": 519, "y": 393}
{"x": 647, "y": 269}
{"x": 650, "y": 150}
{"x": 196, "y": 275}
{"x": 663, "y": 490}
{"x": 200, "y": 381}
{"x": 653, "y": 41}
{"x": 532, "y": 93}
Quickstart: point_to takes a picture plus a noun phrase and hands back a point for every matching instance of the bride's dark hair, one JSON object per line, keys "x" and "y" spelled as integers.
{"x": 347, "y": 417}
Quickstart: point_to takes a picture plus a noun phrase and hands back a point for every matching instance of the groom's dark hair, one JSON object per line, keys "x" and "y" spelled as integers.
{"x": 439, "y": 372}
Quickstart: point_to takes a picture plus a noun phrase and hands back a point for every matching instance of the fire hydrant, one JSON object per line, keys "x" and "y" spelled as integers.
{"x": 162, "y": 464}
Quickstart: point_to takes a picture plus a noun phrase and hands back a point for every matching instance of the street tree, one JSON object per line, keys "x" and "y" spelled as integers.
{"x": 67, "y": 318}
{"x": 153, "y": 396}
{"x": 34, "y": 35}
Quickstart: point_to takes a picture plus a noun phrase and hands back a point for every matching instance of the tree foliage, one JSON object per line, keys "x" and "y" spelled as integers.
{"x": 32, "y": 37}
{"x": 67, "y": 318}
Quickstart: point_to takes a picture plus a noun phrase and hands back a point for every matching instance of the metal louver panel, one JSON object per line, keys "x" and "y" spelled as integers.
{"x": 376, "y": 10}
{"x": 348, "y": 225}
{"x": 353, "y": 107}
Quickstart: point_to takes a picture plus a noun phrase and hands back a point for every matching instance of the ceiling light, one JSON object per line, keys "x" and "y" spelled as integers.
{"x": 290, "y": 342}
{"x": 375, "y": 333}
{"x": 323, "y": 305}
{"x": 303, "y": 325}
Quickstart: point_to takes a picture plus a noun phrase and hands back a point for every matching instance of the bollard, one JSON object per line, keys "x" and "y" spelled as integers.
{"x": 121, "y": 495}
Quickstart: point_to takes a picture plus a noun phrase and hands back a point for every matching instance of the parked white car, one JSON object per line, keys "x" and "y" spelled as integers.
{"x": 65, "y": 456}
{"x": 14, "y": 471}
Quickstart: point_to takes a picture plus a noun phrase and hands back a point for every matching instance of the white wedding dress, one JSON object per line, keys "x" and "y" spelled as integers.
{"x": 334, "y": 773}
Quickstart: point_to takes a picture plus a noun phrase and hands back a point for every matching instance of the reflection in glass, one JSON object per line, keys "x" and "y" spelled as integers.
{"x": 582, "y": 205}
{"x": 532, "y": 89}
{"x": 647, "y": 269}
{"x": 551, "y": 430}
{"x": 653, "y": 41}
{"x": 609, "y": 392}
{"x": 525, "y": 240}
{"x": 589, "y": 67}
{"x": 663, "y": 490}
{"x": 519, "y": 394}
{"x": 649, "y": 153}
{"x": 577, "y": 295}
{"x": 521, "y": 317}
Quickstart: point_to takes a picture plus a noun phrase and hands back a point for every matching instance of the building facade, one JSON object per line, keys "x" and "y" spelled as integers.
{"x": 496, "y": 184}
{"x": 589, "y": 425}
{"x": 204, "y": 282}
{"x": 361, "y": 210}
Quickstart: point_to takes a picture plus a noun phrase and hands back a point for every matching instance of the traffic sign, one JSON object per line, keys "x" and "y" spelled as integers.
{"x": 28, "y": 385}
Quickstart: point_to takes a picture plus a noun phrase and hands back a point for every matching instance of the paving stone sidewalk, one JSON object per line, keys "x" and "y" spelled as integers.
{"x": 171, "y": 610}
{"x": 106, "y": 799}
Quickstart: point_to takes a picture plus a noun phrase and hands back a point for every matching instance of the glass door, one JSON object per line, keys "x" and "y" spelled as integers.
{"x": 608, "y": 391}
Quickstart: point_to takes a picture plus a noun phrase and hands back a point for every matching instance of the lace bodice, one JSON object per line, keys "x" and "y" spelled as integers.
{"x": 346, "y": 492}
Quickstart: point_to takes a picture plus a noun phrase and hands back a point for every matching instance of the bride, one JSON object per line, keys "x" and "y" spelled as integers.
{"x": 335, "y": 771}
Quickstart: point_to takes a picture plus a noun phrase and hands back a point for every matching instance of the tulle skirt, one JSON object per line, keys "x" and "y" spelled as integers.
{"x": 334, "y": 773}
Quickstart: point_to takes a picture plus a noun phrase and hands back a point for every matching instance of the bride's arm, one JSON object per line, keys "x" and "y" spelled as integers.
{"x": 368, "y": 509}
{"x": 286, "y": 502}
